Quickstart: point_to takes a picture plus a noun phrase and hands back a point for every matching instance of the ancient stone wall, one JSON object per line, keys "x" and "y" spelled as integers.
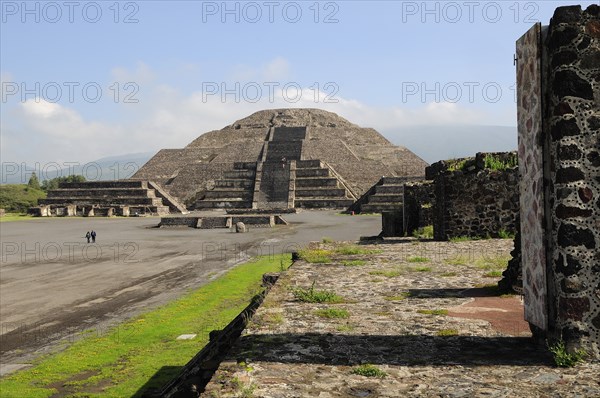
{"x": 475, "y": 201}
{"x": 572, "y": 127}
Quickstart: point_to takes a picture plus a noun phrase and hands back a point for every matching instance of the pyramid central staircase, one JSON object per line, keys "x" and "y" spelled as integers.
{"x": 280, "y": 179}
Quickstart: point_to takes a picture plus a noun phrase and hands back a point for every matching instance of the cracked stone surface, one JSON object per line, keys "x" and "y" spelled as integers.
{"x": 436, "y": 326}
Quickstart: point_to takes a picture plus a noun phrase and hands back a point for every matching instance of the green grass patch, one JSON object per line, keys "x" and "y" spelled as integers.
{"x": 565, "y": 359}
{"x": 316, "y": 256}
{"x": 493, "y": 274}
{"x": 447, "y": 332}
{"x": 353, "y": 263}
{"x": 387, "y": 274}
{"x": 369, "y": 370}
{"x": 417, "y": 259}
{"x": 332, "y": 313}
{"x": 492, "y": 263}
{"x": 459, "y": 260}
{"x": 424, "y": 233}
{"x": 311, "y": 295}
{"x": 345, "y": 328}
{"x": 15, "y": 217}
{"x": 354, "y": 250}
{"x": 327, "y": 239}
{"x": 433, "y": 312}
{"x": 18, "y": 198}
{"x": 125, "y": 358}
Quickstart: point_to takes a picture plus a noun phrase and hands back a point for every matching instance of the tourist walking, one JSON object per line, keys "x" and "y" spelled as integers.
{"x": 88, "y": 235}
{"x": 93, "y": 234}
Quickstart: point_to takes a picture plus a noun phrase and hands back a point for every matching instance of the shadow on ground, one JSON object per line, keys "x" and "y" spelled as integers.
{"x": 410, "y": 350}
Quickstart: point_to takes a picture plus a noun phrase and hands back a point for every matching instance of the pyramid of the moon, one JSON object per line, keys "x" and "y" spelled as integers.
{"x": 280, "y": 158}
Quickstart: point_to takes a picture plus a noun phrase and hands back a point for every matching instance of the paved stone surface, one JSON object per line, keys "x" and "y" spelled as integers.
{"x": 288, "y": 350}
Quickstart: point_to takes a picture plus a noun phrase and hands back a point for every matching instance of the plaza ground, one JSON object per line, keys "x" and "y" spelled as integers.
{"x": 54, "y": 285}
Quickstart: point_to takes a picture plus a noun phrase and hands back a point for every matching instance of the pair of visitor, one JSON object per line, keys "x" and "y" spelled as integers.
{"x": 91, "y": 235}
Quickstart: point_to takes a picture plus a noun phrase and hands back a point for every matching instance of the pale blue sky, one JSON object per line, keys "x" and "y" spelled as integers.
{"x": 371, "y": 57}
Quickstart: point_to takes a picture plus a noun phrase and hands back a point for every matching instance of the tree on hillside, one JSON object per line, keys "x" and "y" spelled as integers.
{"x": 53, "y": 183}
{"x": 34, "y": 182}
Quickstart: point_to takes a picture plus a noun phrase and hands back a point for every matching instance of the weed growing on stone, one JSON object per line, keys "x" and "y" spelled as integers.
{"x": 496, "y": 163}
{"x": 332, "y": 313}
{"x": 327, "y": 239}
{"x": 243, "y": 390}
{"x": 399, "y": 297}
{"x": 355, "y": 249}
{"x": 417, "y": 259}
{"x": 424, "y": 233}
{"x": 353, "y": 263}
{"x": 565, "y": 359}
{"x": 422, "y": 269}
{"x": 493, "y": 263}
{"x": 312, "y": 295}
{"x": 369, "y": 370}
{"x": 503, "y": 234}
{"x": 315, "y": 256}
{"x": 387, "y": 274}
{"x": 447, "y": 332}
{"x": 458, "y": 260}
{"x": 433, "y": 312}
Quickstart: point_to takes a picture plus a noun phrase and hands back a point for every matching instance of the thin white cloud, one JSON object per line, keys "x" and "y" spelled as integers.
{"x": 167, "y": 118}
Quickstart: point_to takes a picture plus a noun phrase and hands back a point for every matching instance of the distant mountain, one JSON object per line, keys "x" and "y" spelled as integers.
{"x": 433, "y": 143}
{"x": 108, "y": 168}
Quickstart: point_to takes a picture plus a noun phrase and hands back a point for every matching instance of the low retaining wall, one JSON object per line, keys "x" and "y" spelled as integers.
{"x": 257, "y": 221}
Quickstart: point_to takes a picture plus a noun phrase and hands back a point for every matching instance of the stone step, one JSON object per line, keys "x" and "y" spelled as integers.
{"x": 316, "y": 182}
{"x": 122, "y": 184}
{"x": 304, "y": 164}
{"x": 239, "y": 174}
{"x": 244, "y": 166}
{"x": 379, "y": 207}
{"x": 329, "y": 203}
{"x": 312, "y": 172}
{"x": 231, "y": 183}
{"x": 104, "y": 201}
{"x": 321, "y": 192}
{"x": 394, "y": 180}
{"x": 101, "y": 193}
{"x": 289, "y": 133}
{"x": 379, "y": 198}
{"x": 229, "y": 193}
{"x": 388, "y": 189}
{"x": 232, "y": 203}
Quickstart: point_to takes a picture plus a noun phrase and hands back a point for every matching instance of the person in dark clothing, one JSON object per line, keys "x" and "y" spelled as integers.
{"x": 88, "y": 235}
{"x": 93, "y": 235}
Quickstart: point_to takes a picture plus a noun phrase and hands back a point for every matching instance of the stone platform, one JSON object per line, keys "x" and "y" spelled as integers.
{"x": 436, "y": 328}
{"x": 208, "y": 222}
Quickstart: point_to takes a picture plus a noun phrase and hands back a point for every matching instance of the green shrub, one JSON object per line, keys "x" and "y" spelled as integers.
{"x": 369, "y": 370}
{"x": 424, "y": 233}
{"x": 565, "y": 359}
{"x": 493, "y": 162}
{"x": 418, "y": 259}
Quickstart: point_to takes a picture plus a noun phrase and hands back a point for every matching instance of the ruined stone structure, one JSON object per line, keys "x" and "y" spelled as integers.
{"x": 108, "y": 198}
{"x": 280, "y": 159}
{"x": 558, "y": 80}
{"x": 473, "y": 197}
{"x": 474, "y": 200}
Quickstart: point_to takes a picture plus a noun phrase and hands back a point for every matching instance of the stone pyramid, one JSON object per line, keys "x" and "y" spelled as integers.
{"x": 280, "y": 158}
